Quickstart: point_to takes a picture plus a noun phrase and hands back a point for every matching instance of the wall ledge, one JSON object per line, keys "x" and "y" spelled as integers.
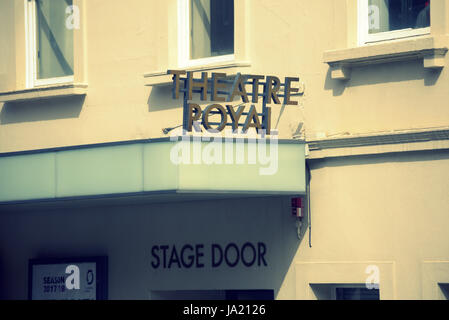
{"x": 410, "y": 140}
{"x": 159, "y": 78}
{"x": 44, "y": 92}
{"x": 431, "y": 49}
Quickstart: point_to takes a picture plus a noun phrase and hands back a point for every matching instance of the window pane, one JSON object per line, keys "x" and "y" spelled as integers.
{"x": 249, "y": 295}
{"x": 54, "y": 41}
{"x": 389, "y": 15}
{"x": 357, "y": 294}
{"x": 211, "y": 28}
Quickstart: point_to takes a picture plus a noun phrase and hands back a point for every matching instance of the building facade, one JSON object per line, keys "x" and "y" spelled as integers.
{"x": 95, "y": 160}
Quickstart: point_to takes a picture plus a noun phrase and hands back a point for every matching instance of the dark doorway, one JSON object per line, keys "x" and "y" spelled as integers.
{"x": 213, "y": 295}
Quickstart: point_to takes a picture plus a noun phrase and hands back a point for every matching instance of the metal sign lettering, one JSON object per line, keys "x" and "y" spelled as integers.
{"x": 272, "y": 92}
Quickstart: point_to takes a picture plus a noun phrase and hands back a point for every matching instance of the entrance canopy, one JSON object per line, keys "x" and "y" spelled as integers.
{"x": 154, "y": 167}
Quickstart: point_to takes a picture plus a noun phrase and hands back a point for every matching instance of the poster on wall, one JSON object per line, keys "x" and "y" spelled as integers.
{"x": 68, "y": 279}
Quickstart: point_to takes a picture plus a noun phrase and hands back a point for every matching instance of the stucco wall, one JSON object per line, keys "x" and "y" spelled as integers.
{"x": 376, "y": 210}
{"x": 283, "y": 38}
{"x": 386, "y": 210}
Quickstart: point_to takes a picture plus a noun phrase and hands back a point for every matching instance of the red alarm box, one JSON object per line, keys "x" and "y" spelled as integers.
{"x": 297, "y": 207}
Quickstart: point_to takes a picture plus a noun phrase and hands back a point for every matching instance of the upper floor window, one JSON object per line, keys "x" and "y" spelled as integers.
{"x": 392, "y": 19}
{"x": 49, "y": 42}
{"x": 206, "y": 31}
{"x": 355, "y": 291}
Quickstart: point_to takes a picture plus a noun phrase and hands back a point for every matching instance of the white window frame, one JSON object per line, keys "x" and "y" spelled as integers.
{"x": 184, "y": 40}
{"x": 365, "y": 38}
{"x": 31, "y": 49}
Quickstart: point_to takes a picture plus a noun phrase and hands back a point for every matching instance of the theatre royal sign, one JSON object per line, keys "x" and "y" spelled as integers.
{"x": 222, "y": 91}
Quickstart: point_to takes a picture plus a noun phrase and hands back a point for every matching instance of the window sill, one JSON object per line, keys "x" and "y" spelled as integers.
{"x": 59, "y": 90}
{"x": 162, "y": 78}
{"x": 431, "y": 49}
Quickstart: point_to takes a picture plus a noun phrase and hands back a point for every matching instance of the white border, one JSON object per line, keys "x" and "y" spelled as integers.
{"x": 184, "y": 40}
{"x": 31, "y": 80}
{"x": 364, "y": 38}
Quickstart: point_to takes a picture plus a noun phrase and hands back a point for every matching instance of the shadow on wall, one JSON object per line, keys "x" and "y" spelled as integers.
{"x": 127, "y": 237}
{"x": 40, "y": 110}
{"x": 161, "y": 99}
{"x": 383, "y": 73}
{"x": 2, "y": 280}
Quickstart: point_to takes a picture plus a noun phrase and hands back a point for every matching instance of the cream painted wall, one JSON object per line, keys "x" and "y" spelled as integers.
{"x": 384, "y": 210}
{"x": 278, "y": 37}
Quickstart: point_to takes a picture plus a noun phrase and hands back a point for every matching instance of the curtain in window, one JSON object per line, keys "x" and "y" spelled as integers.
{"x": 54, "y": 41}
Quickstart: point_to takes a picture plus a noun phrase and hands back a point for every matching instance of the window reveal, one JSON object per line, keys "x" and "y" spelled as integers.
{"x": 211, "y": 28}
